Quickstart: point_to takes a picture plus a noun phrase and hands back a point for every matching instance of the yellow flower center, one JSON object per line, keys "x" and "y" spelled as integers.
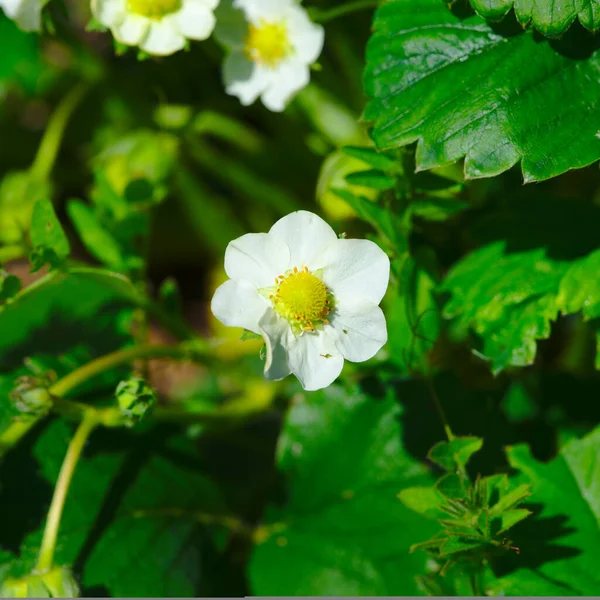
{"x": 268, "y": 44}
{"x": 153, "y": 9}
{"x": 302, "y": 298}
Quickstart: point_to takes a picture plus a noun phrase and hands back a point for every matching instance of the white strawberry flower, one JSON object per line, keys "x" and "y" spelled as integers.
{"x": 272, "y": 44}
{"x": 158, "y": 27}
{"x": 27, "y": 14}
{"x": 312, "y": 297}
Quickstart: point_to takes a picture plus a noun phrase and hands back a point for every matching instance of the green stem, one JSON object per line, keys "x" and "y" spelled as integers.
{"x": 48, "y": 150}
{"x": 13, "y": 434}
{"x": 74, "y": 379}
{"x": 46, "y": 555}
{"x": 340, "y": 11}
{"x": 438, "y": 406}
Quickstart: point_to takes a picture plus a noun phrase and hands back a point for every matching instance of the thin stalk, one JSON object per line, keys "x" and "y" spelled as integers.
{"x": 440, "y": 410}
{"x": 48, "y": 149}
{"x": 341, "y": 11}
{"x": 74, "y": 379}
{"x": 46, "y": 555}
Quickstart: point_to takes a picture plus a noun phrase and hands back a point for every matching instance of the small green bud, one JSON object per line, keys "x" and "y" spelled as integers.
{"x": 135, "y": 398}
{"x": 31, "y": 397}
{"x": 56, "y": 583}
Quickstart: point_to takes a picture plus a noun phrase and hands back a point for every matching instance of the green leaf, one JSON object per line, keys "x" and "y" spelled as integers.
{"x": 456, "y": 453}
{"x": 568, "y": 488}
{"x": 133, "y": 519}
{"x": 579, "y": 289}
{"x": 528, "y": 99}
{"x": 100, "y": 243}
{"x": 377, "y": 180}
{"x": 551, "y": 17}
{"x": 250, "y": 335}
{"x": 50, "y": 244}
{"x": 510, "y": 500}
{"x": 60, "y": 297}
{"x": 10, "y": 285}
{"x": 509, "y": 299}
{"x": 423, "y": 500}
{"x": 511, "y": 517}
{"x": 378, "y": 160}
{"x": 342, "y": 530}
{"x": 451, "y": 486}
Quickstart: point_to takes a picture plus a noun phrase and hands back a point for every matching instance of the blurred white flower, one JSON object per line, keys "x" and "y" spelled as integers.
{"x": 272, "y": 44}
{"x": 26, "y": 13}
{"x": 158, "y": 27}
{"x": 312, "y": 296}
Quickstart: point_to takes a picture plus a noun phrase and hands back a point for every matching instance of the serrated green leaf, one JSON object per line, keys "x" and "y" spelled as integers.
{"x": 342, "y": 530}
{"x": 510, "y": 518}
{"x": 531, "y": 99}
{"x": 568, "y": 488}
{"x": 579, "y": 289}
{"x": 456, "y": 453}
{"x": 511, "y": 499}
{"x": 377, "y": 180}
{"x": 100, "y": 243}
{"x": 454, "y": 545}
{"x": 551, "y": 17}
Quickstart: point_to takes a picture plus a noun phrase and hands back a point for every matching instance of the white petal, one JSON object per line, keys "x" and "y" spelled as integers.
{"x": 238, "y": 304}
{"x": 232, "y": 27}
{"x": 163, "y": 38}
{"x": 361, "y": 330}
{"x": 269, "y": 10}
{"x": 131, "y": 30}
{"x": 288, "y": 78}
{"x": 11, "y": 7}
{"x": 356, "y": 270}
{"x": 195, "y": 20}
{"x": 243, "y": 78}
{"x": 257, "y": 258}
{"x": 212, "y": 4}
{"x": 306, "y": 37}
{"x": 306, "y": 235}
{"x": 109, "y": 12}
{"x": 314, "y": 359}
{"x": 276, "y": 332}
{"x": 28, "y": 14}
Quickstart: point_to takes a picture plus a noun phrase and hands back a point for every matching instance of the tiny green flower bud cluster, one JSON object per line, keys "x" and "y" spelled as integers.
{"x": 56, "y": 583}
{"x": 31, "y": 397}
{"x": 136, "y": 398}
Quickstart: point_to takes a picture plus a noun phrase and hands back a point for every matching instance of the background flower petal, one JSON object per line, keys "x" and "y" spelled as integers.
{"x": 131, "y": 30}
{"x": 243, "y": 78}
{"x": 288, "y": 78}
{"x": 109, "y": 12}
{"x": 276, "y": 333}
{"x": 257, "y": 258}
{"x": 355, "y": 270}
{"x": 255, "y": 10}
{"x": 306, "y": 37}
{"x": 195, "y": 19}
{"x": 361, "y": 330}
{"x": 314, "y": 360}
{"x": 238, "y": 304}
{"x": 306, "y": 235}
{"x": 231, "y": 29}
{"x": 163, "y": 38}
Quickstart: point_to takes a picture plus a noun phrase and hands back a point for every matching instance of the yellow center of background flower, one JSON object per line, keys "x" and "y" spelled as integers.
{"x": 268, "y": 43}
{"x": 303, "y": 299}
{"x": 153, "y": 9}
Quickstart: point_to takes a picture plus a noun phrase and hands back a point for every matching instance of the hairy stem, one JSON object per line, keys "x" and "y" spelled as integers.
{"x": 46, "y": 555}
{"x": 48, "y": 149}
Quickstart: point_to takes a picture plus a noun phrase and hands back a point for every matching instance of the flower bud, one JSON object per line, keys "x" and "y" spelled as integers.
{"x": 135, "y": 398}
{"x": 56, "y": 583}
{"x": 31, "y": 397}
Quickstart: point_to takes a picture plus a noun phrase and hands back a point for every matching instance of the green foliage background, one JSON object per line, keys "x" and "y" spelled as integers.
{"x": 462, "y": 460}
